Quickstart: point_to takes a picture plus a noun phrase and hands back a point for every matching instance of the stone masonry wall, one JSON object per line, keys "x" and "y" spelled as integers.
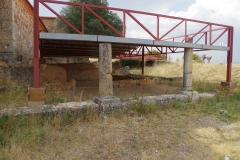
{"x": 16, "y": 40}
{"x": 49, "y": 22}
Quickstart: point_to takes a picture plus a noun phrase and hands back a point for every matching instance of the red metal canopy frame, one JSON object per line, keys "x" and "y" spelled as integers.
{"x": 205, "y": 32}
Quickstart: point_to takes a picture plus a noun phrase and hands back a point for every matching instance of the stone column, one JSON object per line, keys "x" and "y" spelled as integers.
{"x": 105, "y": 70}
{"x": 106, "y": 98}
{"x": 187, "y": 70}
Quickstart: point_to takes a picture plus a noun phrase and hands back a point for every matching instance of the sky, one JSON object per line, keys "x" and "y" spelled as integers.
{"x": 217, "y": 11}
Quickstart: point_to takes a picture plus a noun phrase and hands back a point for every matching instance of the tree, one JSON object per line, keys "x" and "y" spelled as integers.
{"x": 196, "y": 58}
{"x": 92, "y": 25}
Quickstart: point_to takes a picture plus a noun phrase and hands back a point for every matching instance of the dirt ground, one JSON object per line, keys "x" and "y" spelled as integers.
{"x": 90, "y": 90}
{"x": 168, "y": 135}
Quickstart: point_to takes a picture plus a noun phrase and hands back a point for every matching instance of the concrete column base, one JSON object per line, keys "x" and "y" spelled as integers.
{"x": 109, "y": 100}
{"x": 228, "y": 86}
{"x": 36, "y": 96}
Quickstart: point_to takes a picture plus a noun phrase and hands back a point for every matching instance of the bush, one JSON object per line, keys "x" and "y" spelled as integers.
{"x": 130, "y": 63}
{"x": 196, "y": 58}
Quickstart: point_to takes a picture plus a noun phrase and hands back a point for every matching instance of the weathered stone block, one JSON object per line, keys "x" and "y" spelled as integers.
{"x": 7, "y": 26}
{"x": 36, "y": 103}
{"x": 107, "y": 101}
{"x": 6, "y": 15}
{"x": 105, "y": 85}
{"x": 8, "y": 4}
{"x": 158, "y": 81}
{"x": 6, "y": 35}
{"x": 7, "y": 45}
{"x": 105, "y": 58}
{"x": 229, "y": 86}
{"x": 128, "y": 85}
{"x": 121, "y": 85}
{"x": 1, "y": 5}
{"x": 43, "y": 67}
{"x": 3, "y": 64}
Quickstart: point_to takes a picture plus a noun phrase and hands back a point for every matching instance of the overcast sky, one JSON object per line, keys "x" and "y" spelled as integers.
{"x": 217, "y": 11}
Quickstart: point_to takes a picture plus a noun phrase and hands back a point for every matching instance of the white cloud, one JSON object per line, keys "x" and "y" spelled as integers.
{"x": 218, "y": 11}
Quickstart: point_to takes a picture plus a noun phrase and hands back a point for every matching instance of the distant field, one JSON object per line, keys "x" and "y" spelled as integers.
{"x": 201, "y": 71}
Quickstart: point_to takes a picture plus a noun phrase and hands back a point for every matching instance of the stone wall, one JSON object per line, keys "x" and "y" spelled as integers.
{"x": 49, "y": 22}
{"x": 16, "y": 40}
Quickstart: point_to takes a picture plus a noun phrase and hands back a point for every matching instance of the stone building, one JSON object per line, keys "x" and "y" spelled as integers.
{"x": 16, "y": 41}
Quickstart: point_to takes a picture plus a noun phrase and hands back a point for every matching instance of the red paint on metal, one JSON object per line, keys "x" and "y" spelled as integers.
{"x": 230, "y": 54}
{"x": 63, "y": 19}
{"x": 208, "y": 40}
{"x": 219, "y": 36}
{"x": 185, "y": 37}
{"x": 124, "y": 24}
{"x": 140, "y": 24}
{"x": 200, "y": 31}
{"x": 139, "y": 57}
{"x": 105, "y": 22}
{"x": 143, "y": 61}
{"x": 158, "y": 27}
{"x": 130, "y": 11}
{"x": 210, "y": 34}
{"x": 83, "y": 8}
{"x": 188, "y": 35}
{"x": 200, "y": 38}
{"x": 171, "y": 29}
{"x": 36, "y": 44}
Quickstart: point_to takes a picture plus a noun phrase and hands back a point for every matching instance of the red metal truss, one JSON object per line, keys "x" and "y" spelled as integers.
{"x": 206, "y": 32}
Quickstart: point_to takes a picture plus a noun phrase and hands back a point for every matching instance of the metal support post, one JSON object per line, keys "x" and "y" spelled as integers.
{"x": 36, "y": 43}
{"x": 143, "y": 61}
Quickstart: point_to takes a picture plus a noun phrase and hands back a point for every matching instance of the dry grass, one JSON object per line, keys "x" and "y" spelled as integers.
{"x": 181, "y": 130}
{"x": 201, "y": 71}
{"x": 168, "y": 133}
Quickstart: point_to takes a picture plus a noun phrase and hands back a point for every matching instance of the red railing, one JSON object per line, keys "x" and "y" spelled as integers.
{"x": 207, "y": 32}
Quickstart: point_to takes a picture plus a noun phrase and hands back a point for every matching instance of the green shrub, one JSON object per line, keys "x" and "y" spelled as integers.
{"x": 130, "y": 63}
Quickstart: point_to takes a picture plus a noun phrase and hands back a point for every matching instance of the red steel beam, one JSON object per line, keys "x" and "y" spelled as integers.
{"x": 158, "y": 27}
{"x": 210, "y": 34}
{"x": 36, "y": 44}
{"x": 219, "y": 36}
{"x": 124, "y": 24}
{"x": 130, "y": 11}
{"x": 206, "y": 38}
{"x": 200, "y": 31}
{"x": 137, "y": 12}
{"x": 105, "y": 22}
{"x": 185, "y": 37}
{"x": 83, "y": 8}
{"x": 140, "y": 24}
{"x": 230, "y": 54}
{"x": 200, "y": 38}
{"x": 195, "y": 33}
{"x": 171, "y": 29}
{"x": 143, "y": 61}
{"x": 63, "y": 19}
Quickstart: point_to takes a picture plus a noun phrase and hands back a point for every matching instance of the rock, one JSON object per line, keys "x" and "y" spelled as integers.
{"x": 227, "y": 158}
{"x": 3, "y": 64}
{"x": 223, "y": 112}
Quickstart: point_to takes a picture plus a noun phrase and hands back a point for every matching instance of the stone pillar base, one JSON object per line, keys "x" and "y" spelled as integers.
{"x": 111, "y": 100}
{"x": 193, "y": 95}
{"x": 228, "y": 86}
{"x": 187, "y": 89}
{"x": 36, "y": 96}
